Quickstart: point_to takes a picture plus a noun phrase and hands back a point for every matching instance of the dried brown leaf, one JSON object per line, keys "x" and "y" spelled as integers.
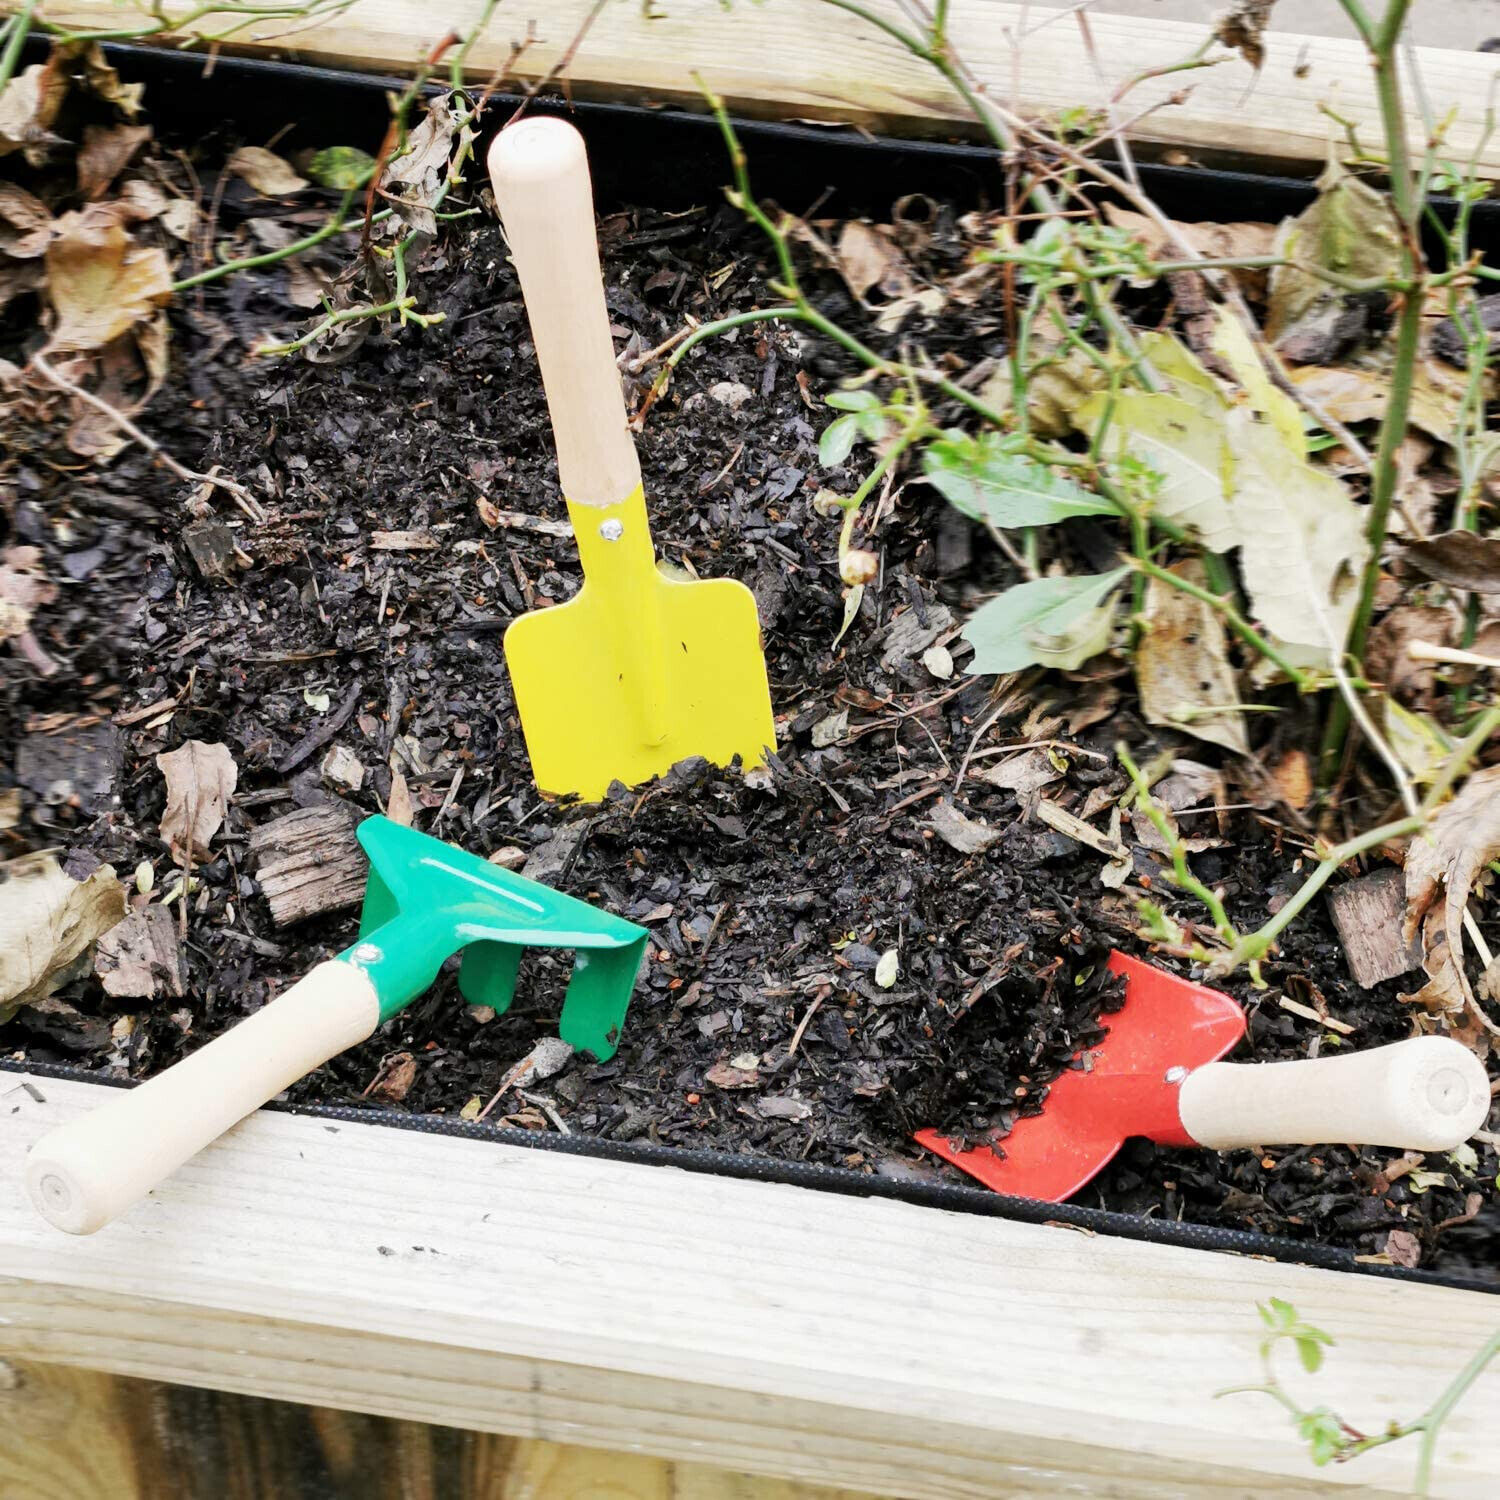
{"x": 23, "y": 589}
{"x": 869, "y": 258}
{"x": 1388, "y": 662}
{"x": 99, "y": 281}
{"x": 1461, "y": 559}
{"x": 966, "y": 835}
{"x": 1182, "y": 665}
{"x": 266, "y": 172}
{"x": 131, "y": 370}
{"x": 1243, "y": 27}
{"x": 28, "y": 107}
{"x": 1241, "y": 240}
{"x": 1442, "y": 865}
{"x": 1292, "y": 778}
{"x": 394, "y": 1080}
{"x": 25, "y": 223}
{"x": 105, "y": 153}
{"x": 201, "y": 778}
{"x": 102, "y": 80}
{"x": 725, "y": 1075}
{"x": 47, "y": 924}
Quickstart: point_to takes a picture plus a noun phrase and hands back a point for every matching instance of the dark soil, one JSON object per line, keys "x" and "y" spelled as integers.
{"x": 770, "y": 904}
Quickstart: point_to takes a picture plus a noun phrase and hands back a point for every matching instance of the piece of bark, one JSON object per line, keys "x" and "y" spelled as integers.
{"x": 308, "y": 862}
{"x": 140, "y": 958}
{"x": 211, "y": 546}
{"x": 1368, "y": 913}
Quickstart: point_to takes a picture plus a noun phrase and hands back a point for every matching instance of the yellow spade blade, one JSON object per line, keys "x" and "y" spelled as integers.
{"x": 638, "y": 671}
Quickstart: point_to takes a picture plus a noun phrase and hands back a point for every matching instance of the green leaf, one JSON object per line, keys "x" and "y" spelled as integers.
{"x": 872, "y": 424}
{"x": 861, "y": 400}
{"x": 1419, "y": 744}
{"x": 1052, "y": 622}
{"x": 1006, "y": 489}
{"x": 341, "y": 167}
{"x": 837, "y": 442}
{"x": 1310, "y": 1352}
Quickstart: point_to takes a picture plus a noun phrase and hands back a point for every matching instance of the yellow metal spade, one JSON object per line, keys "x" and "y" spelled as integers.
{"x": 638, "y": 671}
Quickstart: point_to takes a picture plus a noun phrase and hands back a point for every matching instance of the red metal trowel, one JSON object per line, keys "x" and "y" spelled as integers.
{"x": 1157, "y": 1074}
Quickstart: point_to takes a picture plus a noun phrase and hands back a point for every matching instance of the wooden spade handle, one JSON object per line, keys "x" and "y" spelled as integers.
{"x": 546, "y": 201}
{"x": 84, "y": 1173}
{"x": 1427, "y": 1094}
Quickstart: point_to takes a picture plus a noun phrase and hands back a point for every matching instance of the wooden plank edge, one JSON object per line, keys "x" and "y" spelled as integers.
{"x": 768, "y": 1328}
{"x": 803, "y": 60}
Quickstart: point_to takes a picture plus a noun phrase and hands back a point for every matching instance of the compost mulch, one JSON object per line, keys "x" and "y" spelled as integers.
{"x": 759, "y": 1025}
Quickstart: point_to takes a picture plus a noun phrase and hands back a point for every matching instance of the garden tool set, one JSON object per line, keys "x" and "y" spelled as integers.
{"x": 638, "y": 670}
{"x": 424, "y": 902}
{"x": 1157, "y": 1074}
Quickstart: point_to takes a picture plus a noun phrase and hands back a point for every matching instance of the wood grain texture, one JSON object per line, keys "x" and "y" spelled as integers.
{"x": 801, "y": 59}
{"x": 309, "y": 862}
{"x": 764, "y": 1328}
{"x": 71, "y": 1434}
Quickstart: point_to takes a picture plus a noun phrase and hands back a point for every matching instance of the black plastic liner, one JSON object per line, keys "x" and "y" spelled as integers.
{"x": 671, "y": 158}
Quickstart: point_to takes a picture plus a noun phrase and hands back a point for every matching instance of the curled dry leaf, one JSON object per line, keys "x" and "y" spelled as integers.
{"x": 1243, "y": 27}
{"x": 131, "y": 369}
{"x": 25, "y": 223}
{"x": 1461, "y": 559}
{"x": 1182, "y": 665}
{"x": 1389, "y": 663}
{"x": 23, "y": 589}
{"x": 1238, "y": 241}
{"x": 99, "y": 281}
{"x": 1442, "y": 866}
{"x": 105, "y": 153}
{"x": 411, "y": 181}
{"x": 966, "y": 835}
{"x": 201, "y": 778}
{"x": 266, "y": 172}
{"x": 1348, "y": 229}
{"x": 48, "y": 923}
{"x": 28, "y": 106}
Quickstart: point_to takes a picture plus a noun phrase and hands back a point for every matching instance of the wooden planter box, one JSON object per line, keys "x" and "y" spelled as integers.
{"x": 814, "y": 1336}
{"x": 752, "y": 1325}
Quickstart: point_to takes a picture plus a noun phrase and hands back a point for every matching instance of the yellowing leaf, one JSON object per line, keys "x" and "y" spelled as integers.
{"x": 1349, "y": 229}
{"x": 1175, "y": 363}
{"x": 1419, "y": 744}
{"x": 1182, "y": 665}
{"x": 1235, "y": 347}
{"x": 99, "y": 281}
{"x": 1302, "y": 540}
{"x": 1182, "y": 443}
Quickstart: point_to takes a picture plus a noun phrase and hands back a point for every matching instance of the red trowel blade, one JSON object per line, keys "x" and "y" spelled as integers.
{"x": 1165, "y": 1023}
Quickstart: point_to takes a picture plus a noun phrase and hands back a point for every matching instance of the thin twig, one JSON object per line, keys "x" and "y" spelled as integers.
{"x": 236, "y": 491}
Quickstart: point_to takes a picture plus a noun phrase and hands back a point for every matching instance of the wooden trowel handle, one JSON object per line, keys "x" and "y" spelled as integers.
{"x": 1427, "y": 1094}
{"x": 546, "y": 201}
{"x": 84, "y": 1173}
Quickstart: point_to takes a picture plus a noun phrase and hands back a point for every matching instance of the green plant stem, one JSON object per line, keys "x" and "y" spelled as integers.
{"x": 337, "y": 224}
{"x": 402, "y": 305}
{"x": 882, "y": 467}
{"x": 1255, "y": 945}
{"x": 1461, "y": 758}
{"x": 15, "y": 37}
{"x": 1232, "y": 618}
{"x": 1381, "y": 38}
{"x": 1182, "y": 873}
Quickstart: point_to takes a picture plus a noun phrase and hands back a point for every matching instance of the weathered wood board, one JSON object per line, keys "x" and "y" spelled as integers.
{"x": 71, "y": 1434}
{"x": 806, "y": 60}
{"x": 763, "y": 1328}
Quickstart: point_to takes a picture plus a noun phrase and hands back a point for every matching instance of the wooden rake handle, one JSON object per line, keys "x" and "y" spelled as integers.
{"x": 540, "y": 175}
{"x": 1427, "y": 1094}
{"x": 85, "y": 1173}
